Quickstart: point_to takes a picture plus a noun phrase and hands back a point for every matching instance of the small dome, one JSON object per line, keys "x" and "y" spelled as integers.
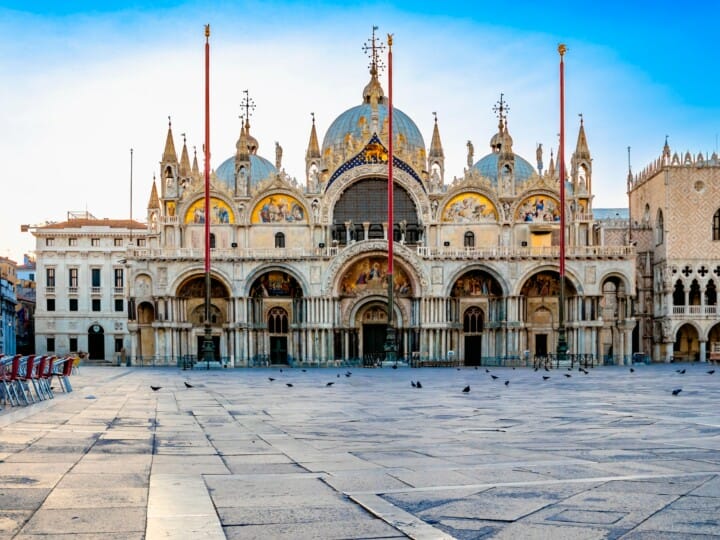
{"x": 488, "y": 167}
{"x": 260, "y": 169}
{"x": 354, "y": 121}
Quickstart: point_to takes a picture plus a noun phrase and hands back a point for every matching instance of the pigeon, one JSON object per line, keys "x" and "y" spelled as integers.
{"x": 476, "y": 368}
{"x": 280, "y": 370}
{"x": 507, "y": 383}
{"x": 585, "y": 371}
{"x": 546, "y": 368}
{"x": 682, "y": 372}
{"x": 338, "y": 375}
{"x": 676, "y": 391}
{"x": 304, "y": 370}
{"x": 271, "y": 379}
{"x": 412, "y": 383}
{"x": 545, "y": 377}
{"x": 632, "y": 370}
{"x": 330, "y": 383}
{"x": 711, "y": 372}
{"x": 494, "y": 377}
{"x": 188, "y": 385}
{"x": 536, "y": 369}
{"x": 457, "y": 369}
{"x": 155, "y": 388}
{"x": 418, "y": 385}
{"x": 348, "y": 373}
{"x": 466, "y": 389}
{"x": 567, "y": 375}
{"x": 394, "y": 366}
{"x": 289, "y": 384}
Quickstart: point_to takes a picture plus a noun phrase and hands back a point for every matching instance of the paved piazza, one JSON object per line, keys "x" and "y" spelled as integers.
{"x": 610, "y": 454}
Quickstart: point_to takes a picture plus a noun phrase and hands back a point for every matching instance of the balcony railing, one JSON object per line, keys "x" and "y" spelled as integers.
{"x": 552, "y": 252}
{"x": 72, "y": 290}
{"x": 426, "y": 252}
{"x": 695, "y": 311}
{"x": 95, "y": 290}
{"x": 119, "y": 290}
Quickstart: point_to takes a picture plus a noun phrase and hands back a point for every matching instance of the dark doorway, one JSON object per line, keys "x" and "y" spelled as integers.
{"x": 278, "y": 350}
{"x": 96, "y": 342}
{"x": 216, "y": 346}
{"x": 473, "y": 350}
{"x": 374, "y": 341}
{"x": 541, "y": 348}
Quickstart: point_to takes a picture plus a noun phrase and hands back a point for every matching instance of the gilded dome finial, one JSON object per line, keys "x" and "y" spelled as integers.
{"x": 373, "y": 92}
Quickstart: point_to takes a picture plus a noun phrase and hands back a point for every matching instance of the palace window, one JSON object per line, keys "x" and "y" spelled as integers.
{"x": 96, "y": 304}
{"x": 50, "y": 344}
{"x": 119, "y": 304}
{"x": 72, "y": 277}
{"x": 659, "y": 229}
{"x": 95, "y": 276}
{"x": 469, "y": 241}
{"x": 50, "y": 304}
{"x": 49, "y": 242}
{"x": 95, "y": 242}
{"x": 50, "y": 277}
{"x": 279, "y": 240}
{"x": 716, "y": 225}
{"x": 278, "y": 321}
{"x": 117, "y": 242}
{"x": 73, "y": 305}
{"x": 72, "y": 242}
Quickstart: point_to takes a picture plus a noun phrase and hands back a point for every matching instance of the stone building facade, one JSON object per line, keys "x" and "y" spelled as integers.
{"x": 299, "y": 268}
{"x": 675, "y": 216}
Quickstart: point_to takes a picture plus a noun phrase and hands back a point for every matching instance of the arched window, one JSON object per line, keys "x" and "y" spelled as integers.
{"x": 469, "y": 241}
{"x": 212, "y": 241}
{"x": 710, "y": 294}
{"x": 716, "y": 225}
{"x": 279, "y": 240}
{"x": 473, "y": 321}
{"x": 679, "y": 294}
{"x": 278, "y": 321}
{"x": 659, "y": 229}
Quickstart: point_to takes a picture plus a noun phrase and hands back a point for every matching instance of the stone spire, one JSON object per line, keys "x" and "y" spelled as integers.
{"x": 551, "y": 166}
{"x": 195, "y": 167}
{"x": 436, "y": 149}
{"x": 154, "y": 203}
{"x": 184, "y": 169}
{"x": 582, "y": 151}
{"x": 313, "y": 149}
{"x": 436, "y": 159}
{"x": 169, "y": 155}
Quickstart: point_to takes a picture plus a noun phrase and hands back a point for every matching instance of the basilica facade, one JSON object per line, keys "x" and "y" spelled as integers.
{"x": 299, "y": 268}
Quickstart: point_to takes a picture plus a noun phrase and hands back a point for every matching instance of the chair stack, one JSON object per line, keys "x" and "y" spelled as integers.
{"x": 25, "y": 380}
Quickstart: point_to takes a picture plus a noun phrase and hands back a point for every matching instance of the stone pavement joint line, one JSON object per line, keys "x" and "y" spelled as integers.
{"x": 610, "y": 454}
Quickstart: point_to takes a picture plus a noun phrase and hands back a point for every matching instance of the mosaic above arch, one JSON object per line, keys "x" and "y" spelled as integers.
{"x": 546, "y": 283}
{"x": 476, "y": 283}
{"x": 538, "y": 208}
{"x": 369, "y": 274}
{"x": 276, "y": 283}
{"x": 220, "y": 212}
{"x": 469, "y": 207}
{"x": 279, "y": 208}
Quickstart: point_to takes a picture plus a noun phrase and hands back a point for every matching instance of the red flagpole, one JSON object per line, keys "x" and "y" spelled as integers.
{"x": 390, "y": 344}
{"x": 207, "y": 150}
{"x": 391, "y": 228}
{"x": 208, "y": 346}
{"x": 562, "y": 346}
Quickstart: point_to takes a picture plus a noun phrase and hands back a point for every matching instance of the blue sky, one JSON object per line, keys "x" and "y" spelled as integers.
{"x": 84, "y": 81}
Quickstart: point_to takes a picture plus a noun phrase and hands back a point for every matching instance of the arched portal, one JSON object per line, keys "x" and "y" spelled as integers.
{"x": 372, "y": 322}
{"x": 473, "y": 326}
{"x": 540, "y": 310}
{"x": 687, "y": 345}
{"x": 277, "y": 322}
{"x": 191, "y": 294}
{"x": 478, "y": 295}
{"x": 96, "y": 342}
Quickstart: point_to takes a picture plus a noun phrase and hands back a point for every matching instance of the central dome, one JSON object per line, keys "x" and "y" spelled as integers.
{"x": 356, "y": 123}
{"x": 488, "y": 167}
{"x": 260, "y": 169}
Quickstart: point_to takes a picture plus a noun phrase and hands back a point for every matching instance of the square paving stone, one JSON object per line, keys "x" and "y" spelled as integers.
{"x": 86, "y": 520}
